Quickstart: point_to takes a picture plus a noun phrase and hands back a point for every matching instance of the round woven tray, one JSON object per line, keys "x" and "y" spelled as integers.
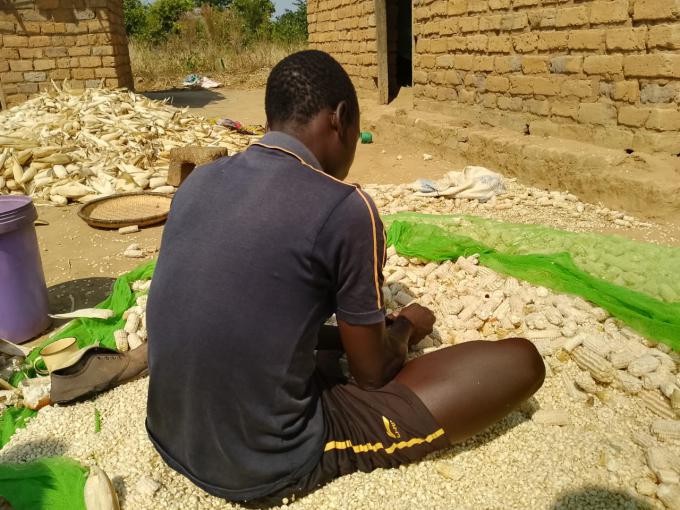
{"x": 125, "y": 209}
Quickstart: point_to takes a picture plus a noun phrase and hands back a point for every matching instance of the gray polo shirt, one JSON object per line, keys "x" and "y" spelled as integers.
{"x": 259, "y": 250}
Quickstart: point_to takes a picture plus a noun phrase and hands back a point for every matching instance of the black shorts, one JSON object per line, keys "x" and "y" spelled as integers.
{"x": 366, "y": 430}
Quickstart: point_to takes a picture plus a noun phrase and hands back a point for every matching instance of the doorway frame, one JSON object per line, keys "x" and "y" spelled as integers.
{"x": 380, "y": 7}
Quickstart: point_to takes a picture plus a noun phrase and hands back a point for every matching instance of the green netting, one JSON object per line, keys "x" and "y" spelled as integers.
{"x": 11, "y": 419}
{"x": 636, "y": 282}
{"x": 55, "y": 483}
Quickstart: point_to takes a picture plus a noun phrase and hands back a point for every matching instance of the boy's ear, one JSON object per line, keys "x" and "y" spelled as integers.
{"x": 339, "y": 117}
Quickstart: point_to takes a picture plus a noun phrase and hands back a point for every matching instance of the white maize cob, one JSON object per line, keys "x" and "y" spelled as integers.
{"x": 453, "y": 306}
{"x": 598, "y": 344}
{"x": 503, "y": 309}
{"x": 488, "y": 307}
{"x": 121, "y": 338}
{"x": 545, "y": 346}
{"x": 643, "y": 365}
{"x": 569, "y": 329}
{"x": 403, "y": 298}
{"x": 427, "y": 269}
{"x": 511, "y": 287}
{"x": 666, "y": 430}
{"x": 395, "y": 277}
{"x": 667, "y": 388}
{"x": 600, "y": 314}
{"x": 657, "y": 404}
{"x": 544, "y": 334}
{"x": 551, "y": 417}
{"x": 654, "y": 380}
{"x": 645, "y": 487}
{"x": 536, "y": 321}
{"x": 585, "y": 381}
{"x": 669, "y": 494}
{"x": 134, "y": 340}
{"x": 643, "y": 440}
{"x": 629, "y": 384}
{"x": 470, "y": 309}
{"x": 572, "y": 343}
{"x": 391, "y": 252}
{"x": 660, "y": 459}
{"x": 675, "y": 399}
{"x": 443, "y": 270}
{"x": 572, "y": 391}
{"x": 387, "y": 294}
{"x": 621, "y": 359}
{"x": 467, "y": 266}
{"x": 553, "y": 316}
{"x": 132, "y": 323}
{"x": 599, "y": 367}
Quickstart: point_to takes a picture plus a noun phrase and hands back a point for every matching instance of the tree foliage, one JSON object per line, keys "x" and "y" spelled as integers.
{"x": 291, "y": 26}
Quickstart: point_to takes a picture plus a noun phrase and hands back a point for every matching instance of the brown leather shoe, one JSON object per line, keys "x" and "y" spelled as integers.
{"x": 98, "y": 369}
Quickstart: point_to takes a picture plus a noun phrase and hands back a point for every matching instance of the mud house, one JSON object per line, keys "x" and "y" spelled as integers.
{"x": 43, "y": 40}
{"x": 602, "y": 71}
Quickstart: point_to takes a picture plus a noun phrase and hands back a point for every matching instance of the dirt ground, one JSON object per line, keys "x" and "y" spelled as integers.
{"x": 88, "y": 258}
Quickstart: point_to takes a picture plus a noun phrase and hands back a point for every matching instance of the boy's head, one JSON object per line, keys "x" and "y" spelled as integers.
{"x": 311, "y": 96}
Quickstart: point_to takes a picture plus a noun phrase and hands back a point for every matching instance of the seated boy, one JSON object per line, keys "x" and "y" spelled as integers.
{"x": 260, "y": 249}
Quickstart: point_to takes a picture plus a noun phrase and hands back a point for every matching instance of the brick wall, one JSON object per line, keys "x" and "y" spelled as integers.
{"x": 346, "y": 30}
{"x": 603, "y": 71}
{"x": 43, "y": 40}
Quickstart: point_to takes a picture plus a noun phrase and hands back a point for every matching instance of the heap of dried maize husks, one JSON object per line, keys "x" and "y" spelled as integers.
{"x": 70, "y": 145}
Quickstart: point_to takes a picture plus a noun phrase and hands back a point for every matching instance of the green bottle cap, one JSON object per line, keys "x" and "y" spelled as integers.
{"x": 366, "y": 137}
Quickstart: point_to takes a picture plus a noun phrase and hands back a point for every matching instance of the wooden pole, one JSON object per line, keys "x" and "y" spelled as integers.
{"x": 381, "y": 41}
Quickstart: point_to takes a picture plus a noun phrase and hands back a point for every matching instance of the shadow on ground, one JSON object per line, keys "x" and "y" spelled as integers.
{"x": 76, "y": 294}
{"x": 598, "y": 497}
{"x": 193, "y": 98}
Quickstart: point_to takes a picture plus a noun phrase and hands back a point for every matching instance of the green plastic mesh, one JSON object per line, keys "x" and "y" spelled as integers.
{"x": 55, "y": 483}
{"x": 638, "y": 283}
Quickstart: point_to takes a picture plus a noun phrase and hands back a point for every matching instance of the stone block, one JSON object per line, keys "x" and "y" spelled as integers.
{"x": 44, "y": 64}
{"x": 614, "y": 11}
{"x": 90, "y": 61}
{"x": 553, "y": 40}
{"x": 21, "y": 65}
{"x": 650, "y": 141}
{"x": 491, "y": 22}
{"x": 526, "y": 42}
{"x": 60, "y": 74}
{"x": 39, "y": 41}
{"x": 521, "y": 85}
{"x": 14, "y": 41}
{"x": 518, "y": 21}
{"x": 55, "y": 52}
{"x": 452, "y": 77}
{"x": 566, "y": 64}
{"x": 497, "y": 84}
{"x": 27, "y": 88}
{"x": 9, "y": 53}
{"x": 509, "y": 64}
{"x": 499, "y": 4}
{"x": 102, "y": 50}
{"x": 603, "y": 64}
{"x": 484, "y": 63}
{"x": 546, "y": 86}
{"x": 578, "y": 88}
{"x": 477, "y": 43}
{"x": 499, "y": 44}
{"x": 31, "y": 52}
{"x": 418, "y": 76}
{"x": 469, "y": 24}
{"x": 614, "y": 137}
{"x": 597, "y": 113}
{"x": 464, "y": 62}
{"x": 626, "y": 39}
{"x": 655, "y": 93}
{"x": 456, "y": 7}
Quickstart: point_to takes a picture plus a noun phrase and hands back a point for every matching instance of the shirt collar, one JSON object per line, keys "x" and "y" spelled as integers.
{"x": 291, "y": 144}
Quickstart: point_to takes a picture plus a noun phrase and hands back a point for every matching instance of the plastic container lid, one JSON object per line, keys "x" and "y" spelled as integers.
{"x": 16, "y": 212}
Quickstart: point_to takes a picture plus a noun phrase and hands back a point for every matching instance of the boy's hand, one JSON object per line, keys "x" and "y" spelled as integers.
{"x": 420, "y": 317}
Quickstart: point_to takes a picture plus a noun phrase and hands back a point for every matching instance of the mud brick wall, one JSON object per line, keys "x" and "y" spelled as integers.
{"x": 602, "y": 71}
{"x": 346, "y": 30}
{"x": 43, "y": 40}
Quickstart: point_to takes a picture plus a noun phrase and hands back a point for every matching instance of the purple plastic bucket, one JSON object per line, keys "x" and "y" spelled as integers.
{"x": 23, "y": 294}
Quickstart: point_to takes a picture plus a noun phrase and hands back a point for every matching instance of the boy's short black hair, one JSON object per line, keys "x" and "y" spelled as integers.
{"x": 303, "y": 84}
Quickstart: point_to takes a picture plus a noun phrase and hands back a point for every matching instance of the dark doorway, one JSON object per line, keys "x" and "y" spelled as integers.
{"x": 394, "y": 20}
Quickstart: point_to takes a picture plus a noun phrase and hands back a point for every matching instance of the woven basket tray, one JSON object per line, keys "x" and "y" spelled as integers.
{"x": 125, "y": 209}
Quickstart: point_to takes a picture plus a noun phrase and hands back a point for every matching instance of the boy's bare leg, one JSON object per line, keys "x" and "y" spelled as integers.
{"x": 470, "y": 386}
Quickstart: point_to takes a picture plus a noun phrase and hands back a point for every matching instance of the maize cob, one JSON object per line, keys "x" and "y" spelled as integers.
{"x": 553, "y": 316}
{"x": 488, "y": 307}
{"x": 572, "y": 343}
{"x": 669, "y": 494}
{"x": 675, "y": 399}
{"x": 599, "y": 368}
{"x": 510, "y": 287}
{"x": 572, "y": 391}
{"x": 453, "y": 306}
{"x": 551, "y": 417}
{"x": 545, "y": 346}
{"x": 585, "y": 381}
{"x": 657, "y": 404}
{"x": 666, "y": 430}
{"x": 629, "y": 384}
{"x": 134, "y": 340}
{"x": 643, "y": 365}
{"x": 470, "y": 309}
{"x": 569, "y": 329}
{"x": 132, "y": 323}
{"x": 643, "y": 440}
{"x": 621, "y": 359}
{"x": 443, "y": 270}
{"x": 467, "y": 265}
{"x": 427, "y": 269}
{"x": 395, "y": 277}
{"x": 598, "y": 344}
{"x": 121, "y": 338}
{"x": 656, "y": 379}
{"x": 403, "y": 298}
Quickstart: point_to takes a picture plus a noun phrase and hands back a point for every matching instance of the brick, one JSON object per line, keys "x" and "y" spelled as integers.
{"x": 649, "y": 141}
{"x": 21, "y": 65}
{"x": 499, "y": 4}
{"x": 436, "y": 77}
{"x": 664, "y": 36}
{"x": 31, "y": 52}
{"x": 28, "y": 88}
{"x": 82, "y": 73}
{"x": 543, "y": 128}
{"x": 106, "y": 72}
{"x": 456, "y": 7}
{"x": 654, "y": 93}
{"x": 452, "y": 77}
{"x": 484, "y": 63}
{"x": 565, "y": 109}
{"x": 626, "y": 91}
{"x": 626, "y": 39}
{"x": 505, "y": 65}
{"x": 14, "y": 41}
{"x": 418, "y": 76}
{"x": 566, "y": 64}
{"x": 39, "y": 41}
{"x": 45, "y": 64}
{"x": 655, "y": 9}
{"x": 467, "y": 96}
{"x": 522, "y": 85}
{"x": 552, "y": 40}
{"x": 469, "y": 24}
{"x": 473, "y": 5}
{"x": 499, "y": 44}
{"x": 4, "y": 66}
{"x": 79, "y": 51}
{"x": 526, "y": 42}
{"x": 578, "y": 88}
{"x": 658, "y": 65}
{"x": 597, "y": 113}
{"x": 547, "y": 86}
{"x": 477, "y": 43}
{"x": 514, "y": 22}
{"x": 535, "y": 65}
{"x": 587, "y": 39}
{"x": 464, "y": 62}
{"x": 55, "y": 52}
{"x": 487, "y": 23}
{"x": 510, "y": 103}
{"x": 111, "y": 61}
{"x": 9, "y": 53}
{"x": 633, "y": 116}
{"x": 446, "y": 94}
{"x": 7, "y": 27}
{"x": 497, "y": 84}
{"x": 572, "y": 16}
{"x": 35, "y": 76}
{"x": 457, "y": 44}
{"x": 537, "y": 107}
{"x": 664, "y": 120}
{"x": 615, "y": 11}
{"x": 63, "y": 63}
{"x": 438, "y": 45}
{"x": 603, "y": 64}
